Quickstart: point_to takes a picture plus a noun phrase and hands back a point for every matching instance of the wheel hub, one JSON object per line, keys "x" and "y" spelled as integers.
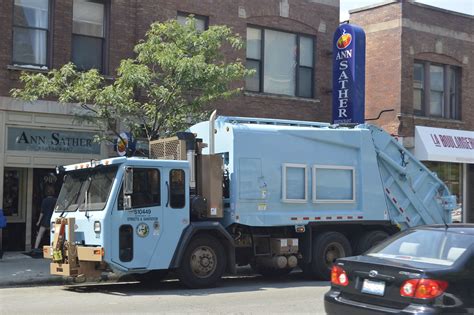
{"x": 203, "y": 261}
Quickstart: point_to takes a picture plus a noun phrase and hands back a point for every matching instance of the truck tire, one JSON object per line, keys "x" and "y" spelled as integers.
{"x": 369, "y": 240}
{"x": 203, "y": 263}
{"x": 327, "y": 247}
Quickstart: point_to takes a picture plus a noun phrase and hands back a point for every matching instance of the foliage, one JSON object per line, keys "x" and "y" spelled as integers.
{"x": 176, "y": 73}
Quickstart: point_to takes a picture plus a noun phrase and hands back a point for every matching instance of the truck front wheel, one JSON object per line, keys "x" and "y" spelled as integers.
{"x": 327, "y": 247}
{"x": 203, "y": 263}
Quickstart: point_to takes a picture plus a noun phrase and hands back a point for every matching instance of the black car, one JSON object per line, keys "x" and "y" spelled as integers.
{"x": 423, "y": 270}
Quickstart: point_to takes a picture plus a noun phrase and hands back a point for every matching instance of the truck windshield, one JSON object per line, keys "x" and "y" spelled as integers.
{"x": 86, "y": 189}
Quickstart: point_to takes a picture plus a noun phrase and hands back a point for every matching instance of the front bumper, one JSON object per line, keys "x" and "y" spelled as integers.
{"x": 336, "y": 304}
{"x": 82, "y": 261}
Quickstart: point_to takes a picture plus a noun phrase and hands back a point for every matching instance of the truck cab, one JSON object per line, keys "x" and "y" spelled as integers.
{"x": 130, "y": 211}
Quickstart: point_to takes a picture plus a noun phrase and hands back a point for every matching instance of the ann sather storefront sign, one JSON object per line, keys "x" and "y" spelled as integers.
{"x": 61, "y": 141}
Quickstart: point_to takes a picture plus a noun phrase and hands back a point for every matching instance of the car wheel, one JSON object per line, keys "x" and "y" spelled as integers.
{"x": 203, "y": 263}
{"x": 327, "y": 247}
{"x": 369, "y": 240}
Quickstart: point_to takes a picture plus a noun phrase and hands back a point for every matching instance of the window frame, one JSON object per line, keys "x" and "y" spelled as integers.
{"x": 171, "y": 202}
{"x": 261, "y": 61}
{"x": 105, "y": 42}
{"x": 196, "y": 16}
{"x": 120, "y": 206}
{"x": 333, "y": 167}
{"x": 449, "y": 111}
{"x": 48, "y": 36}
{"x": 283, "y": 189}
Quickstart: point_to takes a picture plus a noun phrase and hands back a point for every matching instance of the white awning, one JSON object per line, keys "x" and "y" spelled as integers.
{"x": 444, "y": 145}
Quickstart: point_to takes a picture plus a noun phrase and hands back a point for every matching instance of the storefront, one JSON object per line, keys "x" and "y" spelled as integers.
{"x": 32, "y": 144}
{"x": 450, "y": 153}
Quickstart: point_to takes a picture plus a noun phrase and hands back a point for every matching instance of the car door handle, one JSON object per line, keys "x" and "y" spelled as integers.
{"x": 169, "y": 194}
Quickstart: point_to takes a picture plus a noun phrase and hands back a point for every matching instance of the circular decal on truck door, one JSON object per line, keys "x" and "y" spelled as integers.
{"x": 143, "y": 230}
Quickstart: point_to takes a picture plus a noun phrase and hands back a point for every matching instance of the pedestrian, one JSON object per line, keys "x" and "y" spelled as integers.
{"x": 44, "y": 220}
{"x": 3, "y": 224}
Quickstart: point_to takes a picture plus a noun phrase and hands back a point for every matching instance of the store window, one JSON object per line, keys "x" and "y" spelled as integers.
{"x": 436, "y": 90}
{"x": 200, "y": 22}
{"x": 88, "y": 34}
{"x": 283, "y": 62}
{"x": 30, "y": 32}
{"x": 451, "y": 175}
{"x": 14, "y": 194}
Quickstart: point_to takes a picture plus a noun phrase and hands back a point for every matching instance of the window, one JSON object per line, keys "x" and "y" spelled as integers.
{"x": 333, "y": 184}
{"x": 14, "y": 194}
{"x": 427, "y": 247}
{"x": 146, "y": 188}
{"x": 177, "y": 189}
{"x": 86, "y": 190}
{"x": 295, "y": 185}
{"x": 201, "y": 22}
{"x": 30, "y": 32}
{"x": 284, "y": 62}
{"x": 436, "y": 90}
{"x": 88, "y": 36}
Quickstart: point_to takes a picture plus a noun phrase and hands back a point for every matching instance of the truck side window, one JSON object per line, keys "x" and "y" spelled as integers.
{"x": 146, "y": 189}
{"x": 177, "y": 189}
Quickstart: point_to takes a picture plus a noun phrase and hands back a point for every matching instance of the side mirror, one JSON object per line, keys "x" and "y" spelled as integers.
{"x": 128, "y": 181}
{"x": 127, "y": 202}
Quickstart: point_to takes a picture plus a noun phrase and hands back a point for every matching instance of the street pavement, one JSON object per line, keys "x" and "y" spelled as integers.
{"x": 241, "y": 294}
{"x": 18, "y": 269}
{"x": 26, "y": 287}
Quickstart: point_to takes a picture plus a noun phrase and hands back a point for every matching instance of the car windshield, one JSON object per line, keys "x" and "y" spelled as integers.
{"x": 436, "y": 247}
{"x": 86, "y": 189}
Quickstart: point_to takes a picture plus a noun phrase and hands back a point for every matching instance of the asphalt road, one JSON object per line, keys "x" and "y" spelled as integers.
{"x": 235, "y": 295}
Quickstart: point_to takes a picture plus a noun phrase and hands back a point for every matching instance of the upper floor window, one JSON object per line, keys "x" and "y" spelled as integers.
{"x": 88, "y": 36}
{"x": 284, "y": 62}
{"x": 436, "y": 90}
{"x": 201, "y": 22}
{"x": 30, "y": 32}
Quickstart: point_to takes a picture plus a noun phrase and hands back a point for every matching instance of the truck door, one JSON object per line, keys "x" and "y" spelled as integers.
{"x": 136, "y": 232}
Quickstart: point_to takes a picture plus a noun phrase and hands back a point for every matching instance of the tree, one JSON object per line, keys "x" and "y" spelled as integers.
{"x": 176, "y": 73}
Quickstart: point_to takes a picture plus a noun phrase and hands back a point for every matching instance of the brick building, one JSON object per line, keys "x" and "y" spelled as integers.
{"x": 288, "y": 43}
{"x": 420, "y": 62}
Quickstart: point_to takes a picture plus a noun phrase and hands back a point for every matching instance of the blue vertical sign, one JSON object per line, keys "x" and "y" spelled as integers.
{"x": 348, "y": 75}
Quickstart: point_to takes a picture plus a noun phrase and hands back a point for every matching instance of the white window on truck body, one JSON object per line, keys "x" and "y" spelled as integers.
{"x": 333, "y": 183}
{"x": 295, "y": 183}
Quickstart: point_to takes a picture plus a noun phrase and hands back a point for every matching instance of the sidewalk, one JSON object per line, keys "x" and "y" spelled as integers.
{"x": 17, "y": 269}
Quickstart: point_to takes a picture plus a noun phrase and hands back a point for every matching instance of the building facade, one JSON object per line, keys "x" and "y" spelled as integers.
{"x": 288, "y": 44}
{"x": 420, "y": 62}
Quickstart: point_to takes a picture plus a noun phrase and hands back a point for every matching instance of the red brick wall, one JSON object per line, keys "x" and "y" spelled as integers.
{"x": 383, "y": 64}
{"x": 428, "y": 34}
{"x": 130, "y": 19}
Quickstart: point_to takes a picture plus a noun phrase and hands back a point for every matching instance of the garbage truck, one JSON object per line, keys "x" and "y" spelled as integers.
{"x": 233, "y": 191}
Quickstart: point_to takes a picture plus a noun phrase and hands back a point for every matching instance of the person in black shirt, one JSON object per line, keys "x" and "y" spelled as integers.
{"x": 44, "y": 220}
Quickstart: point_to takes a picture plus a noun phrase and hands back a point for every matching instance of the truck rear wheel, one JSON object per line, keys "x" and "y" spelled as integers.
{"x": 203, "y": 263}
{"x": 369, "y": 240}
{"x": 327, "y": 247}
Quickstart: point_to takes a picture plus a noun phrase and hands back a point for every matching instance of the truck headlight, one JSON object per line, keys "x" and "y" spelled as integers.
{"x": 97, "y": 227}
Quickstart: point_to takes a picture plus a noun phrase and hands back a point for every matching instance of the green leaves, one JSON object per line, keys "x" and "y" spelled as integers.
{"x": 176, "y": 74}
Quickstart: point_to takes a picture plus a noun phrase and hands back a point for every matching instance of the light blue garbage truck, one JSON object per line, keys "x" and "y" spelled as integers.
{"x": 232, "y": 191}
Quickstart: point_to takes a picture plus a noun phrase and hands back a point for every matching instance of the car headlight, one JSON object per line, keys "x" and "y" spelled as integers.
{"x": 97, "y": 227}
